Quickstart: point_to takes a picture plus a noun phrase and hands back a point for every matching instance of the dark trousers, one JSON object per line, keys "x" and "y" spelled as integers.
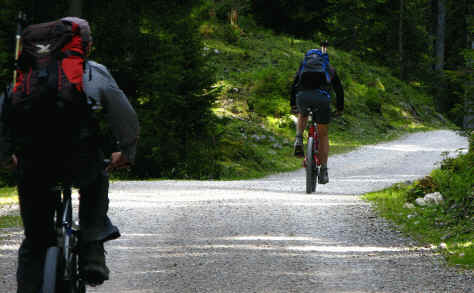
{"x": 37, "y": 203}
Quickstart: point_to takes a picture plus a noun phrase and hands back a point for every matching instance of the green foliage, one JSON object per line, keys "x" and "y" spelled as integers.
{"x": 175, "y": 108}
{"x": 157, "y": 60}
{"x": 420, "y": 188}
{"x": 268, "y": 93}
{"x": 299, "y": 18}
{"x": 7, "y": 40}
{"x": 248, "y": 150}
{"x": 455, "y": 180}
{"x": 253, "y": 83}
{"x": 451, "y": 221}
{"x": 433, "y": 225}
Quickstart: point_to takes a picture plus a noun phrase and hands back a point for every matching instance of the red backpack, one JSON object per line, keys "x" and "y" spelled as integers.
{"x": 48, "y": 101}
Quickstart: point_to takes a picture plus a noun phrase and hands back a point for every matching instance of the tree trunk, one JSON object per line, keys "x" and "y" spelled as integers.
{"x": 75, "y": 8}
{"x": 400, "y": 41}
{"x": 439, "y": 48}
{"x": 233, "y": 16}
{"x": 440, "y": 35}
{"x": 469, "y": 85}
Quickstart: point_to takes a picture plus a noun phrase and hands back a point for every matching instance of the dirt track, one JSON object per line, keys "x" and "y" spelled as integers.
{"x": 267, "y": 235}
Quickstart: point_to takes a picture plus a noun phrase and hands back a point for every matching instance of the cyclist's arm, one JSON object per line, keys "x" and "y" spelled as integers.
{"x": 294, "y": 89}
{"x": 119, "y": 113}
{"x": 337, "y": 86}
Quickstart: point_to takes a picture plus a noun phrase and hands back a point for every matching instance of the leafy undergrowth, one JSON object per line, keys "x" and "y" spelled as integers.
{"x": 254, "y": 70}
{"x": 448, "y": 225}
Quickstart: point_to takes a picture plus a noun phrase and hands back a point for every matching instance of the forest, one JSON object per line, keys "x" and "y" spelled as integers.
{"x": 165, "y": 57}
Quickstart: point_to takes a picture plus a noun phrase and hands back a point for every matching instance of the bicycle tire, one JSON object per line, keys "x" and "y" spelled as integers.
{"x": 51, "y": 265}
{"x": 75, "y": 284}
{"x": 309, "y": 166}
{"x": 315, "y": 173}
{"x": 315, "y": 177}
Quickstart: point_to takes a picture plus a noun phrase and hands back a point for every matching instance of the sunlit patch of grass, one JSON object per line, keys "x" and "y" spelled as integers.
{"x": 8, "y": 195}
{"x": 428, "y": 225}
{"x": 10, "y": 221}
{"x": 462, "y": 253}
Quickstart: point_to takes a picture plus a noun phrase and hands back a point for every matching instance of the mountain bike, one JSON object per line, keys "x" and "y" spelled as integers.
{"x": 311, "y": 161}
{"x": 61, "y": 270}
{"x": 61, "y": 266}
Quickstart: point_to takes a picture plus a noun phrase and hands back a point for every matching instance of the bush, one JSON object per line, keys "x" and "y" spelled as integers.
{"x": 157, "y": 60}
{"x": 455, "y": 179}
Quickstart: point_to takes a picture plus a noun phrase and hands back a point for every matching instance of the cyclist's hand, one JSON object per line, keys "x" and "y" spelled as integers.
{"x": 118, "y": 161}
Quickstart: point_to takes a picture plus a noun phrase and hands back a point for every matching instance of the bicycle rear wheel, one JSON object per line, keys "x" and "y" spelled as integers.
{"x": 310, "y": 167}
{"x": 51, "y": 266}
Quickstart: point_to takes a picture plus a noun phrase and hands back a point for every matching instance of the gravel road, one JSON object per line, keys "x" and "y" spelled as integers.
{"x": 267, "y": 235}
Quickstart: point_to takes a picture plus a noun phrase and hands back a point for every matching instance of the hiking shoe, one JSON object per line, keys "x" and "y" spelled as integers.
{"x": 92, "y": 266}
{"x": 299, "y": 151}
{"x": 323, "y": 177}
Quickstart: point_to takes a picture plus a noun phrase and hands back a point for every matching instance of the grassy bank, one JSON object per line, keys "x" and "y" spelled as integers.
{"x": 448, "y": 225}
{"x": 8, "y": 196}
{"x": 254, "y": 70}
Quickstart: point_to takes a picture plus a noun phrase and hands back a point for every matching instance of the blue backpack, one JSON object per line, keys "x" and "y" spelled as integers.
{"x": 315, "y": 61}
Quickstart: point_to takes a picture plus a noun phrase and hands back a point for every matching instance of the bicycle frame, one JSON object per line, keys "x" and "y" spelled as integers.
{"x": 67, "y": 240}
{"x": 68, "y": 233}
{"x": 61, "y": 262}
{"x": 311, "y": 161}
{"x": 314, "y": 133}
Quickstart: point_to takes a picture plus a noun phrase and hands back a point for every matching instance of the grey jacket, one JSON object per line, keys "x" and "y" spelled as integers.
{"x": 102, "y": 90}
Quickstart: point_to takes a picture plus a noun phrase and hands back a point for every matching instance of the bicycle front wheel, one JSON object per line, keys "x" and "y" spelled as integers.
{"x": 310, "y": 167}
{"x": 51, "y": 266}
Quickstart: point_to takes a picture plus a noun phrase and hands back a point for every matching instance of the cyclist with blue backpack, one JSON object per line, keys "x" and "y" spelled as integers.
{"x": 310, "y": 89}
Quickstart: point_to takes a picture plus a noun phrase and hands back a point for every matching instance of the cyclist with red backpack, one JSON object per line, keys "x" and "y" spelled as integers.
{"x": 50, "y": 127}
{"x": 310, "y": 89}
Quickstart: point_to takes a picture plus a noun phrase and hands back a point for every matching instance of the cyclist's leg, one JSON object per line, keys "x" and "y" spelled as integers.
{"x": 37, "y": 204}
{"x": 96, "y": 228}
{"x": 301, "y": 124}
{"x": 93, "y": 182}
{"x": 322, "y": 117}
{"x": 93, "y": 207}
{"x": 323, "y": 143}
{"x": 300, "y": 127}
{"x": 303, "y": 100}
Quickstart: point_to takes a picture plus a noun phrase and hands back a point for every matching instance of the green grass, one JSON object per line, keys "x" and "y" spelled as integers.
{"x": 10, "y": 221}
{"x": 8, "y": 196}
{"x": 254, "y": 69}
{"x": 428, "y": 225}
{"x": 449, "y": 225}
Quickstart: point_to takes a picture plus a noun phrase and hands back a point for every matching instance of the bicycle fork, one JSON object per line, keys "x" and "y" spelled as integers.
{"x": 67, "y": 232}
